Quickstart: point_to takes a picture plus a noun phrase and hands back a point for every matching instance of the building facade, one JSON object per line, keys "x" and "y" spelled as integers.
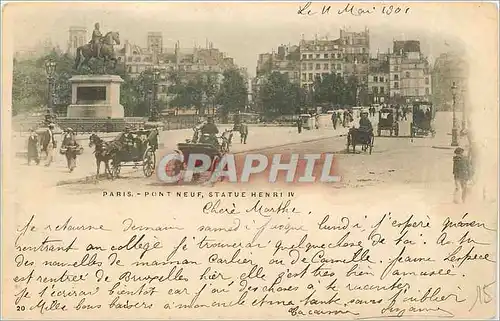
{"x": 449, "y": 68}
{"x": 409, "y": 73}
{"x": 77, "y": 37}
{"x": 378, "y": 79}
{"x": 356, "y": 49}
{"x": 319, "y": 58}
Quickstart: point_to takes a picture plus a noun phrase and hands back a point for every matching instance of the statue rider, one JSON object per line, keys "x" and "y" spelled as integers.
{"x": 96, "y": 40}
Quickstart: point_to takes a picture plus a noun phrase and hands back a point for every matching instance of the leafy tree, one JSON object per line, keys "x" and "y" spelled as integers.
{"x": 279, "y": 96}
{"x": 233, "y": 94}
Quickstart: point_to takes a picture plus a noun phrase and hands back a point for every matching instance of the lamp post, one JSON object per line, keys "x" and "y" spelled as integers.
{"x": 454, "y": 130}
{"x": 50, "y": 69}
{"x": 464, "y": 123}
{"x": 154, "y": 108}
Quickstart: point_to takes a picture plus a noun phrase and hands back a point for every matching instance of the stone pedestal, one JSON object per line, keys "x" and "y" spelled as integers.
{"x": 95, "y": 96}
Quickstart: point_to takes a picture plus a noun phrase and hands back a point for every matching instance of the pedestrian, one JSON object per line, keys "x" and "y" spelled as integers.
{"x": 49, "y": 144}
{"x": 334, "y": 120}
{"x": 460, "y": 173}
{"x": 299, "y": 124}
{"x": 33, "y": 148}
{"x": 71, "y": 146}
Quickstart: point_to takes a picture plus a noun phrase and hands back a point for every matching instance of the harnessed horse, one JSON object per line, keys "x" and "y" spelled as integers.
{"x": 104, "y": 152}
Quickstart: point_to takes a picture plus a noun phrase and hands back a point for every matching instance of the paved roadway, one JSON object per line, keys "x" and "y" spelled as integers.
{"x": 396, "y": 163}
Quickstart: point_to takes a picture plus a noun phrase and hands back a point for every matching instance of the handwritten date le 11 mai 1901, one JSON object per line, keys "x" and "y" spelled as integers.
{"x": 349, "y": 9}
{"x": 265, "y": 254}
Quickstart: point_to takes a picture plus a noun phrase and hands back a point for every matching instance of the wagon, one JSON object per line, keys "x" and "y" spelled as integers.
{"x": 194, "y": 146}
{"x": 359, "y": 137}
{"x": 139, "y": 149}
{"x": 387, "y": 121}
{"x": 422, "y": 117}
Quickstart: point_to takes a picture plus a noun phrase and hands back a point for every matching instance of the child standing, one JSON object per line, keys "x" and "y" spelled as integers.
{"x": 460, "y": 173}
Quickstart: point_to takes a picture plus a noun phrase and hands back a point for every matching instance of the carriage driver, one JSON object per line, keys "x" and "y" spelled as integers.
{"x": 96, "y": 40}
{"x": 210, "y": 129}
{"x": 365, "y": 124}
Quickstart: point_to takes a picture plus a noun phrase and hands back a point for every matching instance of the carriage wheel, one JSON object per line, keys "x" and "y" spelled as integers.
{"x": 174, "y": 167}
{"x": 148, "y": 163}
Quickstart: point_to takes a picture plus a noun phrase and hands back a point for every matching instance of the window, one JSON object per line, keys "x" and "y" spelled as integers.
{"x": 427, "y": 81}
{"x": 381, "y": 79}
{"x": 325, "y": 66}
{"x": 339, "y": 56}
{"x": 310, "y": 77}
{"x": 375, "y": 79}
{"x": 318, "y": 66}
{"x": 333, "y": 66}
{"x": 304, "y": 66}
{"x": 427, "y": 91}
{"x": 304, "y": 56}
{"x": 310, "y": 66}
{"x": 326, "y": 56}
{"x": 129, "y": 59}
{"x": 382, "y": 90}
{"x": 339, "y": 67}
{"x": 310, "y": 56}
{"x": 375, "y": 90}
{"x": 396, "y": 68}
{"x": 364, "y": 50}
{"x": 318, "y": 56}
{"x": 396, "y": 85}
{"x": 407, "y": 74}
{"x": 324, "y": 75}
{"x": 304, "y": 77}
{"x": 396, "y": 77}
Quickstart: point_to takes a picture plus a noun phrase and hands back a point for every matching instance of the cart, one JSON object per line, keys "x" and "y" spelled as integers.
{"x": 193, "y": 146}
{"x": 422, "y": 117}
{"x": 139, "y": 149}
{"x": 387, "y": 121}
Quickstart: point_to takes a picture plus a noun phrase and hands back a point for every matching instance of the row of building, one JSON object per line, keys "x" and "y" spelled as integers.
{"x": 401, "y": 74}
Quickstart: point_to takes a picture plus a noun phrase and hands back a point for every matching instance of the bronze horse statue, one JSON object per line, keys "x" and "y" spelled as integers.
{"x": 107, "y": 50}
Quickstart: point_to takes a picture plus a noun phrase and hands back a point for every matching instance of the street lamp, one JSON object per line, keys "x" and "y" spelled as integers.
{"x": 50, "y": 69}
{"x": 454, "y": 130}
{"x": 154, "y": 108}
{"x": 464, "y": 124}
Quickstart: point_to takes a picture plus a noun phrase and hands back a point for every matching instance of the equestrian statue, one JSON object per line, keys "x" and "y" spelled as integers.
{"x": 99, "y": 47}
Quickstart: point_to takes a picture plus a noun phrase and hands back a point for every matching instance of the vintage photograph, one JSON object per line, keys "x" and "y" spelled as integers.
{"x": 244, "y": 160}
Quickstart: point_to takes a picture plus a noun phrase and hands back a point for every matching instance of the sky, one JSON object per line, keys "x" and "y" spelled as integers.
{"x": 242, "y": 30}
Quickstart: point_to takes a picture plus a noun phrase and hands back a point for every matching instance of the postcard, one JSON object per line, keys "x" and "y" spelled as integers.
{"x": 247, "y": 160}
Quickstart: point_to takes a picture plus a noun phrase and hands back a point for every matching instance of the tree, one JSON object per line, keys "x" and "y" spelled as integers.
{"x": 279, "y": 96}
{"x": 233, "y": 94}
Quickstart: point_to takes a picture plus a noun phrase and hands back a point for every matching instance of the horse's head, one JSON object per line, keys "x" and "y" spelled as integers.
{"x": 94, "y": 140}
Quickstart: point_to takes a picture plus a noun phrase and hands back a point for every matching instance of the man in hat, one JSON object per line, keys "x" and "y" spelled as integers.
{"x": 460, "y": 173}
{"x": 365, "y": 124}
{"x": 33, "y": 147}
{"x": 96, "y": 40}
{"x": 211, "y": 130}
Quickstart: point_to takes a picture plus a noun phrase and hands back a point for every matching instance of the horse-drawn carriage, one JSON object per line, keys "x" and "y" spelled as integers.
{"x": 130, "y": 148}
{"x": 139, "y": 149}
{"x": 215, "y": 147}
{"x": 357, "y": 136}
{"x": 423, "y": 115}
{"x": 387, "y": 121}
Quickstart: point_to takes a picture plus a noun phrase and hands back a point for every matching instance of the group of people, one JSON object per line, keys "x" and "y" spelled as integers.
{"x": 343, "y": 117}
{"x": 46, "y": 144}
